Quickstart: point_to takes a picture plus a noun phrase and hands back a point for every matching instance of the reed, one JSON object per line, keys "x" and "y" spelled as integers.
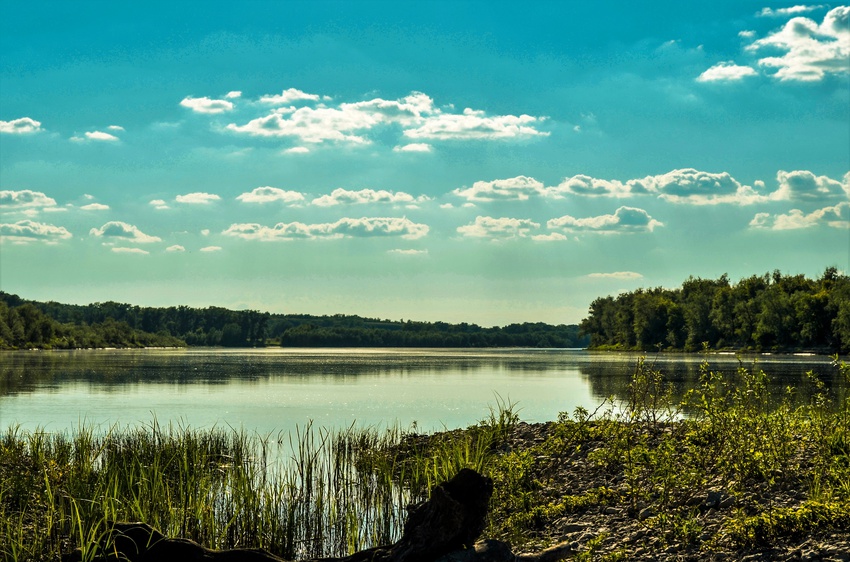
{"x": 338, "y": 492}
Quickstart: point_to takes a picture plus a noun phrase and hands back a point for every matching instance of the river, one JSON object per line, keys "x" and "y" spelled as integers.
{"x": 271, "y": 391}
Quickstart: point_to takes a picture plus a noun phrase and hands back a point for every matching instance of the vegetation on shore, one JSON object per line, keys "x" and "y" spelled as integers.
{"x": 736, "y": 456}
{"x": 770, "y": 312}
{"x": 31, "y": 324}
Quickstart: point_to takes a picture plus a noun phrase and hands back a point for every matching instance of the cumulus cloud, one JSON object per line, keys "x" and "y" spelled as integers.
{"x": 780, "y": 12}
{"x": 100, "y": 136}
{"x": 95, "y": 207}
{"x": 501, "y": 228}
{"x": 811, "y": 50}
{"x": 139, "y": 251}
{"x": 27, "y": 231}
{"x": 345, "y": 227}
{"x": 211, "y": 249}
{"x": 594, "y": 187}
{"x": 400, "y": 252}
{"x": 702, "y": 188}
{"x": 288, "y": 96}
{"x": 22, "y": 126}
{"x": 624, "y": 219}
{"x": 25, "y": 199}
{"x": 621, "y": 275}
{"x": 413, "y": 147}
{"x": 233, "y": 95}
{"x": 472, "y": 124}
{"x": 206, "y": 105}
{"x": 268, "y": 194}
{"x": 726, "y": 71}
{"x": 117, "y": 231}
{"x": 175, "y": 248}
{"x": 115, "y": 128}
{"x": 159, "y": 204}
{"x": 416, "y": 114}
{"x": 342, "y": 196}
{"x": 837, "y": 216}
{"x": 197, "y": 198}
{"x": 551, "y": 237}
{"x": 297, "y": 150}
{"x": 803, "y": 185}
{"x": 519, "y": 188}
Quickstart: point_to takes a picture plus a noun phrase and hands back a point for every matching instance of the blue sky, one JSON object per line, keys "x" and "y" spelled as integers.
{"x": 483, "y": 162}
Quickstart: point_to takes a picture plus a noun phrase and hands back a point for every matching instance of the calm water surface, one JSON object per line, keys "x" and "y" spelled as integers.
{"x": 274, "y": 390}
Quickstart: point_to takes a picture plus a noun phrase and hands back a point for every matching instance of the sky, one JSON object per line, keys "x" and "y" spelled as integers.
{"x": 483, "y": 162}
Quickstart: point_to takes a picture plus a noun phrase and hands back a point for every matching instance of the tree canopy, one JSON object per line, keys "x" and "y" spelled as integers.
{"x": 763, "y": 312}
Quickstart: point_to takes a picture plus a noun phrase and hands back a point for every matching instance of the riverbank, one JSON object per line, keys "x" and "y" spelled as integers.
{"x": 739, "y": 476}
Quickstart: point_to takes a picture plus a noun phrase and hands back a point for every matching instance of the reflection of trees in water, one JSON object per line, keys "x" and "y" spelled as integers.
{"x": 109, "y": 370}
{"x": 608, "y": 374}
{"x": 611, "y": 379}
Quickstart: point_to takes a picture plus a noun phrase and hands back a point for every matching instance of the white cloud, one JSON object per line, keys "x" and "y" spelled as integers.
{"x": 696, "y": 187}
{"x": 205, "y": 232}
{"x": 413, "y": 147}
{"x": 197, "y": 198}
{"x": 342, "y": 196}
{"x": 100, "y": 136}
{"x": 474, "y": 124}
{"x": 297, "y": 150}
{"x": 349, "y": 122}
{"x": 206, "y": 105}
{"x": 780, "y": 12}
{"x": 726, "y": 71}
{"x": 288, "y": 96}
{"x": 138, "y": 251}
{"x": 837, "y": 216}
{"x": 803, "y": 185}
{"x": 345, "y": 227}
{"x": 22, "y": 126}
{"x": 400, "y": 252}
{"x": 115, "y": 128}
{"x": 268, "y": 194}
{"x": 121, "y": 231}
{"x": 233, "y": 95}
{"x": 95, "y": 207}
{"x": 551, "y": 237}
{"x": 25, "y": 199}
{"x": 624, "y": 219}
{"x": 489, "y": 227}
{"x": 621, "y": 275}
{"x": 594, "y": 187}
{"x": 27, "y": 231}
{"x": 159, "y": 204}
{"x": 211, "y": 249}
{"x": 175, "y": 248}
{"x": 811, "y": 51}
{"x": 511, "y": 189}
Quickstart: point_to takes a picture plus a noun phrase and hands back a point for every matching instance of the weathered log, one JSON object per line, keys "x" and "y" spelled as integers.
{"x": 444, "y": 528}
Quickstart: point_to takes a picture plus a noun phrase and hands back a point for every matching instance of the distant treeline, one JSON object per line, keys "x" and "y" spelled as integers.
{"x": 28, "y": 324}
{"x": 771, "y": 312}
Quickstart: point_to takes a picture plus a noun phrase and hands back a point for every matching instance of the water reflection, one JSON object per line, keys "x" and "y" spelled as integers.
{"x": 270, "y": 389}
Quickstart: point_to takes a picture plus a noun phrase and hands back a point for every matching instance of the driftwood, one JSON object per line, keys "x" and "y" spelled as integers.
{"x": 444, "y": 528}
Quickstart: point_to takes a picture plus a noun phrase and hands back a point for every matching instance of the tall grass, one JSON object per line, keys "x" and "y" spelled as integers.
{"x": 341, "y": 491}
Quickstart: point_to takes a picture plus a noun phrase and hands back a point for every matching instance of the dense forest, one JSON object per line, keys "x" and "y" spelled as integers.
{"x": 771, "y": 312}
{"x": 30, "y": 324}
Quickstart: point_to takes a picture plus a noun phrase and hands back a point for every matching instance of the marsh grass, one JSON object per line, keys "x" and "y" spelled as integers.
{"x": 340, "y": 491}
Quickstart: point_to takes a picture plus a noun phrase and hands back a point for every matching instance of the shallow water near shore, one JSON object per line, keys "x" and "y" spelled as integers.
{"x": 273, "y": 391}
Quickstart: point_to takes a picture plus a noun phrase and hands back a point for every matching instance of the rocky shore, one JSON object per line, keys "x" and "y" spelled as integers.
{"x": 634, "y": 532}
{"x": 592, "y": 511}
